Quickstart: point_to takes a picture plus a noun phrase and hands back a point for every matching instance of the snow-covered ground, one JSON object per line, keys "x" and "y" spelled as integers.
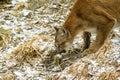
{"x": 32, "y": 32}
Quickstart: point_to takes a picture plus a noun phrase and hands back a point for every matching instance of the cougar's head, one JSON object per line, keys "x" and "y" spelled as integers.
{"x": 62, "y": 38}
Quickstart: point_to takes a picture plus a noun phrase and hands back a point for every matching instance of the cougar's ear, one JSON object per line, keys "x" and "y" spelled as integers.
{"x": 61, "y": 30}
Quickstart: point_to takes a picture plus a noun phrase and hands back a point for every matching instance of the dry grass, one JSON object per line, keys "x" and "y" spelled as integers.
{"x": 27, "y": 50}
{"x": 33, "y": 51}
{"x": 4, "y": 2}
{"x": 4, "y": 37}
{"x": 30, "y": 49}
{"x": 81, "y": 69}
{"x": 107, "y": 76}
{"x": 9, "y": 75}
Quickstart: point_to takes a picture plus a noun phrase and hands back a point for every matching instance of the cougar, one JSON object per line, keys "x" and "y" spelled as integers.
{"x": 98, "y": 15}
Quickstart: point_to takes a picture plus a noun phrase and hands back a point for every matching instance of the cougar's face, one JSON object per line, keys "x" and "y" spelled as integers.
{"x": 61, "y": 38}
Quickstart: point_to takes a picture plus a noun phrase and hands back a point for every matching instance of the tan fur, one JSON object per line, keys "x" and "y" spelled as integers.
{"x": 100, "y": 15}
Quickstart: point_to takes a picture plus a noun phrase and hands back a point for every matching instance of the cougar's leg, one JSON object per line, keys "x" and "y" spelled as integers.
{"x": 86, "y": 39}
{"x": 102, "y": 34}
{"x": 105, "y": 24}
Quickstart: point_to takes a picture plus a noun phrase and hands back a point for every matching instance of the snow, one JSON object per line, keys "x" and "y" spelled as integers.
{"x": 27, "y": 24}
